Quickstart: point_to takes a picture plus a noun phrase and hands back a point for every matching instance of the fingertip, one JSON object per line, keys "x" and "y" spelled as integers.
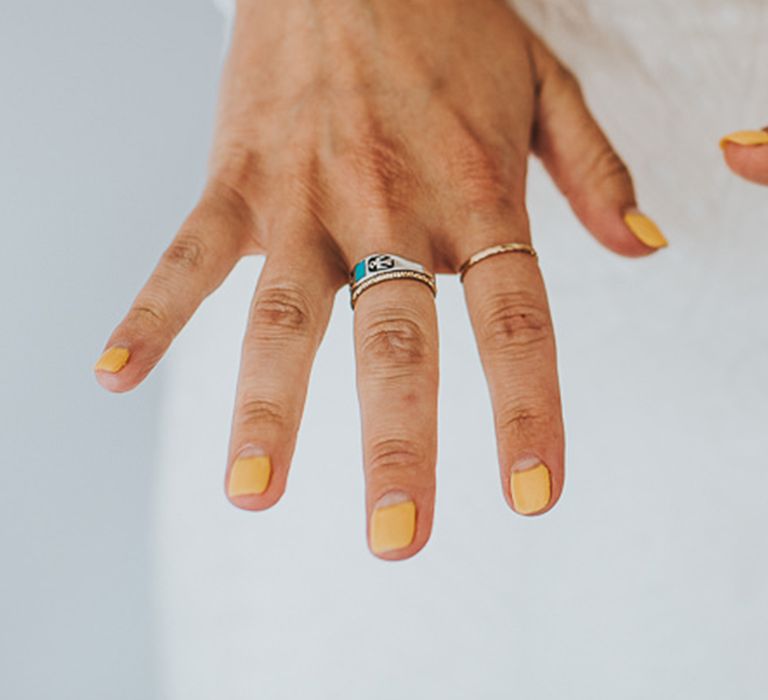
{"x": 251, "y": 482}
{"x": 122, "y": 367}
{"x": 256, "y": 502}
{"x": 533, "y": 488}
{"x": 645, "y": 231}
{"x": 113, "y": 383}
{"x": 398, "y": 527}
{"x": 400, "y": 554}
{"x": 113, "y": 368}
{"x": 746, "y": 154}
{"x": 745, "y": 138}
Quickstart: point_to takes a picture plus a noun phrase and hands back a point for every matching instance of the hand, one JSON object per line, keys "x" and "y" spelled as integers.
{"x": 348, "y": 127}
{"x": 746, "y": 153}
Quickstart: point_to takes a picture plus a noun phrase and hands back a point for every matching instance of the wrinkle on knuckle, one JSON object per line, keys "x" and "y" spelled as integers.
{"x": 481, "y": 179}
{"x": 258, "y": 411}
{"x": 280, "y": 309}
{"x": 383, "y": 170}
{"x": 516, "y": 419}
{"x": 389, "y": 455}
{"x": 186, "y": 254}
{"x": 148, "y": 314}
{"x": 394, "y": 341}
{"x": 514, "y": 322}
{"x": 606, "y": 166}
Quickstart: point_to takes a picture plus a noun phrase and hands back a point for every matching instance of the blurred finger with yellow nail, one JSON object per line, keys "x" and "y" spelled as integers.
{"x": 746, "y": 153}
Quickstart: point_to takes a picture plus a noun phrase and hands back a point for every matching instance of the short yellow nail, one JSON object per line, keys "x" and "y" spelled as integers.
{"x": 531, "y": 489}
{"x": 250, "y": 475}
{"x": 745, "y": 138}
{"x": 113, "y": 360}
{"x": 645, "y": 230}
{"x": 393, "y": 527}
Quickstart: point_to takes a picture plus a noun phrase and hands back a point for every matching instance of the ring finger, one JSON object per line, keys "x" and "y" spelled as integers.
{"x": 396, "y": 347}
{"x": 510, "y": 315}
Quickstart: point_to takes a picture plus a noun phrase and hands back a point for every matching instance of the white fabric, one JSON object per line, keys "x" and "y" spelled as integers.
{"x": 650, "y": 578}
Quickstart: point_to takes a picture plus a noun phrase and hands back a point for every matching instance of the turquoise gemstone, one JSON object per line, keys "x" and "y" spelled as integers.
{"x": 359, "y": 271}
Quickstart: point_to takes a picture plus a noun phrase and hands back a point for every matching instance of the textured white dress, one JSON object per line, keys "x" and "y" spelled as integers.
{"x": 650, "y": 578}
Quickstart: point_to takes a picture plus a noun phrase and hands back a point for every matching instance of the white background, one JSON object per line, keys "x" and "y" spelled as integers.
{"x": 126, "y": 574}
{"x": 105, "y": 115}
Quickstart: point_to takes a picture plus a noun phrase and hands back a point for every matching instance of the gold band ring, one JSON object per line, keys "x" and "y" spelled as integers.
{"x": 426, "y": 277}
{"x": 495, "y": 250}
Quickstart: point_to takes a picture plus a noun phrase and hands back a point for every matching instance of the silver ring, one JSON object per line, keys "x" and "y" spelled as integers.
{"x": 380, "y": 267}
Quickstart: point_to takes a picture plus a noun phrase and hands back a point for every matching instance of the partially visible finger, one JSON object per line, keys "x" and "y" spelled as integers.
{"x": 746, "y": 153}
{"x": 396, "y": 347}
{"x": 508, "y": 307}
{"x": 201, "y": 255}
{"x": 287, "y": 320}
{"x": 584, "y": 164}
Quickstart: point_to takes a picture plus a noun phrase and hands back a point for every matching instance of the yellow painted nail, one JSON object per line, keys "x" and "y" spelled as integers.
{"x": 393, "y": 526}
{"x": 745, "y": 138}
{"x": 250, "y": 475}
{"x": 113, "y": 360}
{"x": 645, "y": 230}
{"x": 531, "y": 489}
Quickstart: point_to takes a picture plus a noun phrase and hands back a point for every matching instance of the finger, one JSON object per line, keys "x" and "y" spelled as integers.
{"x": 287, "y": 320}
{"x": 396, "y": 348}
{"x": 508, "y": 307}
{"x": 584, "y": 165}
{"x": 746, "y": 153}
{"x": 201, "y": 255}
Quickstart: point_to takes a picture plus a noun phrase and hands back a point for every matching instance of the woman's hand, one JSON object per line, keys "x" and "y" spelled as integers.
{"x": 348, "y": 127}
{"x": 746, "y": 153}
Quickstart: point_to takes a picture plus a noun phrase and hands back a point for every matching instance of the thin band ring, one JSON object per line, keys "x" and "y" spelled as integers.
{"x": 495, "y": 250}
{"x": 380, "y": 267}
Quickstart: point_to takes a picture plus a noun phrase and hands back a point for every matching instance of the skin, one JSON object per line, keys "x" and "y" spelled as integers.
{"x": 749, "y": 162}
{"x": 348, "y": 127}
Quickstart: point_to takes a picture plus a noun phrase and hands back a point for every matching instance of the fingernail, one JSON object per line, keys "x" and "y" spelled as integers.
{"x": 530, "y": 484}
{"x": 250, "y": 473}
{"x": 645, "y": 230}
{"x": 393, "y": 523}
{"x": 113, "y": 360}
{"x": 745, "y": 138}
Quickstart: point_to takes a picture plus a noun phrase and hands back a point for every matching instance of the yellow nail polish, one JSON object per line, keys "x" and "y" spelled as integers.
{"x": 531, "y": 489}
{"x": 745, "y": 138}
{"x": 393, "y": 527}
{"x": 113, "y": 360}
{"x": 645, "y": 230}
{"x": 249, "y": 475}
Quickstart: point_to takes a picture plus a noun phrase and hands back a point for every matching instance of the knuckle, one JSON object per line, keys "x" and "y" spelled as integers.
{"x": 186, "y": 254}
{"x": 258, "y": 411}
{"x": 377, "y": 157}
{"x": 481, "y": 176}
{"x": 382, "y": 169}
{"x": 516, "y": 419}
{"x": 151, "y": 314}
{"x": 514, "y": 322}
{"x": 389, "y": 455}
{"x": 279, "y": 309}
{"x": 607, "y": 166}
{"x": 394, "y": 340}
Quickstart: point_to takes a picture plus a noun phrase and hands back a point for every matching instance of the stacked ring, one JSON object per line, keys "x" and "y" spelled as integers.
{"x": 495, "y": 250}
{"x": 380, "y": 267}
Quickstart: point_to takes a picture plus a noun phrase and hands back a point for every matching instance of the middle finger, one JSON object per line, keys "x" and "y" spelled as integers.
{"x": 396, "y": 347}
